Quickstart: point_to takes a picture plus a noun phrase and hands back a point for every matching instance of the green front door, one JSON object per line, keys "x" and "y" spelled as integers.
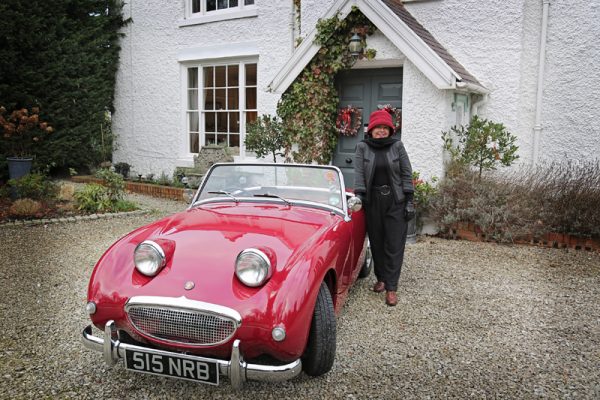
{"x": 365, "y": 89}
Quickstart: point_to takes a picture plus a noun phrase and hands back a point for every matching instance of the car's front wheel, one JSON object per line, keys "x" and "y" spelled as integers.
{"x": 320, "y": 350}
{"x": 367, "y": 266}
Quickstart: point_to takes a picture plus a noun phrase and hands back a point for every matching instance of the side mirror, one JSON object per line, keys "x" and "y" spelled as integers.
{"x": 354, "y": 204}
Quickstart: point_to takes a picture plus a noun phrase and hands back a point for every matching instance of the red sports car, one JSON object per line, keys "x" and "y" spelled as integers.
{"x": 246, "y": 283}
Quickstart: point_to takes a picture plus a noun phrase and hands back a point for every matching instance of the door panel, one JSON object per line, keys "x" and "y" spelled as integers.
{"x": 365, "y": 89}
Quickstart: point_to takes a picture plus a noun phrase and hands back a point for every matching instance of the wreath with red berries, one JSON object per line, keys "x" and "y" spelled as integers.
{"x": 349, "y": 120}
{"x": 396, "y": 115}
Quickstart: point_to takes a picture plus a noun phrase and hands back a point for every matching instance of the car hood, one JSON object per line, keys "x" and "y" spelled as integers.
{"x": 207, "y": 240}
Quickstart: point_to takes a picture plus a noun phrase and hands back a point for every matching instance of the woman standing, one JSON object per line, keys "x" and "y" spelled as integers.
{"x": 383, "y": 181}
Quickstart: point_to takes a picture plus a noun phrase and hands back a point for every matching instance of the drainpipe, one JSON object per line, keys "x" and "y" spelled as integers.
{"x": 537, "y": 128}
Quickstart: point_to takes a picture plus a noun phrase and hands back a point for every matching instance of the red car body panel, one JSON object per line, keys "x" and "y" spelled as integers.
{"x": 306, "y": 245}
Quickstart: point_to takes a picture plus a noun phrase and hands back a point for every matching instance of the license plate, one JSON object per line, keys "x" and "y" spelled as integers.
{"x": 172, "y": 365}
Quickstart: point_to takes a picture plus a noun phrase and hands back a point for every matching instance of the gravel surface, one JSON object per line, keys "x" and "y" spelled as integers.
{"x": 474, "y": 320}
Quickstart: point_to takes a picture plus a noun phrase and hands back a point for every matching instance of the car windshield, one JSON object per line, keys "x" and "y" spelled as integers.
{"x": 288, "y": 183}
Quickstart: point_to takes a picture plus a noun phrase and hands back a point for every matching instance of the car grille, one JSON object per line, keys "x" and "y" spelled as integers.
{"x": 182, "y": 326}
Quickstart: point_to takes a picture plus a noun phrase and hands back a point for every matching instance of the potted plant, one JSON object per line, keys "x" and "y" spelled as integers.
{"x": 22, "y": 131}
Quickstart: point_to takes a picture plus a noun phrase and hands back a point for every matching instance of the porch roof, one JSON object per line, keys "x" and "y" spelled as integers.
{"x": 404, "y": 31}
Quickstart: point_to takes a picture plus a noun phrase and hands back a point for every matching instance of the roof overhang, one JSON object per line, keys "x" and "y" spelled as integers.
{"x": 442, "y": 75}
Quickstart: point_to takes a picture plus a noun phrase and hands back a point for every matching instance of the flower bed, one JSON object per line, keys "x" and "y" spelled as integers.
{"x": 165, "y": 192}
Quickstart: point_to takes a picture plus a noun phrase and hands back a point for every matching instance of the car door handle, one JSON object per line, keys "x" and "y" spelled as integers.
{"x": 348, "y": 160}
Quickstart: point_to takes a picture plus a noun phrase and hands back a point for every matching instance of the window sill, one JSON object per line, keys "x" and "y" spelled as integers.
{"x": 215, "y": 16}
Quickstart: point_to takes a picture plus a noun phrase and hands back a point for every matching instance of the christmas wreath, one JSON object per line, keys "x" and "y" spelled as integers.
{"x": 349, "y": 121}
{"x": 396, "y": 115}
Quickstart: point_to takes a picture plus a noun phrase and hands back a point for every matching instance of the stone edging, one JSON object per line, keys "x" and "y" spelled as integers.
{"x": 78, "y": 218}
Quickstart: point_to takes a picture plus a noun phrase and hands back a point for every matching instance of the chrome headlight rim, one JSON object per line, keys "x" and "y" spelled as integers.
{"x": 160, "y": 253}
{"x": 263, "y": 257}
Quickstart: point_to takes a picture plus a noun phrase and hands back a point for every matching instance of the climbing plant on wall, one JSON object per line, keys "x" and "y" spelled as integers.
{"x": 309, "y": 107}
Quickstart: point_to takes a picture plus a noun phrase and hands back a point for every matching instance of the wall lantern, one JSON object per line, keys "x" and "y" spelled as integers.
{"x": 355, "y": 45}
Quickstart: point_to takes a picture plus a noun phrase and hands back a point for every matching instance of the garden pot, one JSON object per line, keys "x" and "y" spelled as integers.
{"x": 18, "y": 167}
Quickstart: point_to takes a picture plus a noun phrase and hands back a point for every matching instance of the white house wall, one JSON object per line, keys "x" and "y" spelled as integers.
{"x": 497, "y": 41}
{"x": 571, "y": 112}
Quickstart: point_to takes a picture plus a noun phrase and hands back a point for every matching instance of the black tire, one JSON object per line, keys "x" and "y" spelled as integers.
{"x": 367, "y": 264}
{"x": 320, "y": 349}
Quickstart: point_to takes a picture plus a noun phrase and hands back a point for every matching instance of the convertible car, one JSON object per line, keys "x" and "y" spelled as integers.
{"x": 246, "y": 283}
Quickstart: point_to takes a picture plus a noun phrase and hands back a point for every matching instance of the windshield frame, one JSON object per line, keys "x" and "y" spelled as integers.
{"x": 343, "y": 211}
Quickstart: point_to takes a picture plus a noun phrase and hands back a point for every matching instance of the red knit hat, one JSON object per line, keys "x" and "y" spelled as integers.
{"x": 381, "y": 117}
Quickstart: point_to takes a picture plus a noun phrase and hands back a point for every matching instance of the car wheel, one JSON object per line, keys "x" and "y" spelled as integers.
{"x": 320, "y": 350}
{"x": 367, "y": 264}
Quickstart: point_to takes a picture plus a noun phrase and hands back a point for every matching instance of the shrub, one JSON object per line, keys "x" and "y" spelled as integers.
{"x": 265, "y": 137}
{"x": 92, "y": 198}
{"x": 556, "y": 197}
{"x": 107, "y": 197}
{"x": 114, "y": 183}
{"x": 566, "y": 195}
{"x": 34, "y": 186}
{"x": 25, "y": 208}
{"x": 483, "y": 144}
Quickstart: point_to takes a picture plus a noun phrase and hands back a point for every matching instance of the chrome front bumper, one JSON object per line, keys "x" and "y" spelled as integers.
{"x": 236, "y": 369}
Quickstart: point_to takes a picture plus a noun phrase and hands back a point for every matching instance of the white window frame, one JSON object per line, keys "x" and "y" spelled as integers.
{"x": 201, "y": 64}
{"x": 202, "y": 17}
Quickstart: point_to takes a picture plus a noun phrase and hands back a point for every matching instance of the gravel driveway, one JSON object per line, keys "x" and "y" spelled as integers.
{"x": 474, "y": 320}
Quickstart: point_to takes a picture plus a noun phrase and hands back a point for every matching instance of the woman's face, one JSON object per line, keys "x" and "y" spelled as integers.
{"x": 380, "y": 131}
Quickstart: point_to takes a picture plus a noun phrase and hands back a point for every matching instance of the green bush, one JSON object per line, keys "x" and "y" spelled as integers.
{"x": 265, "y": 137}
{"x": 483, "y": 144}
{"x": 92, "y": 198}
{"x": 34, "y": 186}
{"x": 107, "y": 197}
{"x": 114, "y": 183}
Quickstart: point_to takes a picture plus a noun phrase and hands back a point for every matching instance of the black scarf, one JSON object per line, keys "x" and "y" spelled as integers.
{"x": 381, "y": 143}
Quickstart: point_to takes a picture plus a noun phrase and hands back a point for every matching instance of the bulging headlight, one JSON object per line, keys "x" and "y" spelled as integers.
{"x": 149, "y": 258}
{"x": 252, "y": 267}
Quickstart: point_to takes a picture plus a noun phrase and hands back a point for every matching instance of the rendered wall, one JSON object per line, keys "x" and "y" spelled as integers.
{"x": 497, "y": 41}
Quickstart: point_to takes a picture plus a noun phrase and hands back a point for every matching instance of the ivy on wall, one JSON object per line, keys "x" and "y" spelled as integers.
{"x": 309, "y": 107}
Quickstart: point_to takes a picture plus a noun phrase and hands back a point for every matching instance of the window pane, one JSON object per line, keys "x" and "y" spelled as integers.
{"x": 220, "y": 76}
{"x": 208, "y": 77}
{"x": 233, "y": 3}
{"x": 192, "y": 77}
{"x": 250, "y": 98}
{"x": 220, "y": 99}
{"x": 193, "y": 122}
{"x": 211, "y": 5}
{"x": 251, "y": 116}
{"x": 209, "y": 122}
{"x": 222, "y": 122}
{"x": 233, "y": 99}
{"x": 234, "y": 140}
{"x": 193, "y": 99}
{"x": 222, "y": 140}
{"x": 247, "y": 2}
{"x": 234, "y": 122}
{"x": 232, "y": 75}
{"x": 209, "y": 101}
{"x": 221, "y": 4}
{"x": 210, "y": 139}
{"x": 195, "y": 6}
{"x": 250, "y": 74}
{"x": 194, "y": 142}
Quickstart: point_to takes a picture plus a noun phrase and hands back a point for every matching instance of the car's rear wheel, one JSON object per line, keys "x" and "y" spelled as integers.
{"x": 320, "y": 350}
{"x": 367, "y": 264}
